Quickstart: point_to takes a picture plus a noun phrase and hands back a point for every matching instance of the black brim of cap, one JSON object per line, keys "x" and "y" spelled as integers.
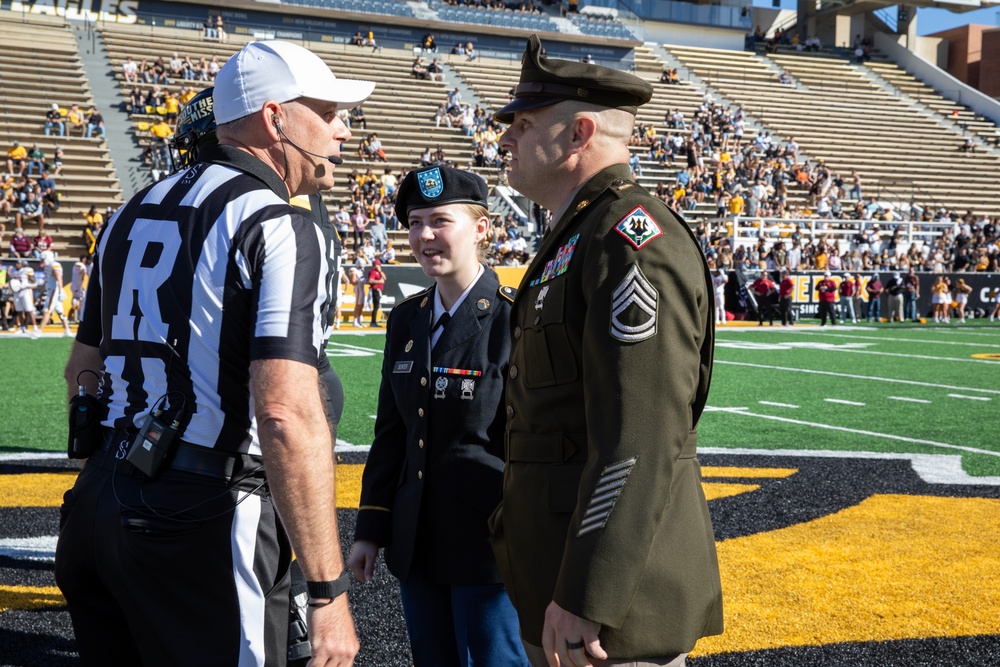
{"x": 506, "y": 114}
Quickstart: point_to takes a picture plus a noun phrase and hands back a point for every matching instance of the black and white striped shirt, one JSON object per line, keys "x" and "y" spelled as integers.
{"x": 197, "y": 276}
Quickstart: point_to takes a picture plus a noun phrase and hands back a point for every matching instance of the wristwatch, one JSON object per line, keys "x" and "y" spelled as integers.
{"x": 328, "y": 590}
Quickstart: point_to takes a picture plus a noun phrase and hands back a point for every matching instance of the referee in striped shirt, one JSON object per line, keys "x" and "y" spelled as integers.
{"x": 204, "y": 323}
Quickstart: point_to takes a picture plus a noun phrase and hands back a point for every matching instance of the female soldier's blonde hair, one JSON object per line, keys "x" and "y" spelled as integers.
{"x": 475, "y": 211}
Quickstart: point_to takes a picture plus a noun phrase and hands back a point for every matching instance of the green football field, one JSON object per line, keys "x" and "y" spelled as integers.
{"x": 919, "y": 389}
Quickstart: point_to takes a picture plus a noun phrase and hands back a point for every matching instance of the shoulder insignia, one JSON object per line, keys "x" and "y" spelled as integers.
{"x": 638, "y": 228}
{"x": 623, "y": 185}
{"x": 416, "y": 295}
{"x": 633, "y": 308}
{"x": 507, "y": 292}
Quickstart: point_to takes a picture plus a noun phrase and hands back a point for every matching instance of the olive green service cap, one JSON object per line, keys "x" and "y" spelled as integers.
{"x": 544, "y": 82}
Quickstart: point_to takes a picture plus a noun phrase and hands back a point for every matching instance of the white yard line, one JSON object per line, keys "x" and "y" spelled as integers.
{"x": 909, "y": 400}
{"x": 843, "y": 402}
{"x": 932, "y": 468}
{"x": 830, "y": 427}
{"x": 853, "y": 376}
{"x": 971, "y": 398}
{"x": 29, "y": 548}
{"x": 830, "y": 334}
{"x": 912, "y": 356}
{"x": 779, "y": 405}
{"x": 354, "y": 347}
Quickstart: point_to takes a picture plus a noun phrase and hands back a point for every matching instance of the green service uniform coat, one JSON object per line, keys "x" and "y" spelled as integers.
{"x": 603, "y": 510}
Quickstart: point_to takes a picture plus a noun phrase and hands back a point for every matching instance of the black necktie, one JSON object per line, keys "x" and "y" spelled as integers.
{"x": 443, "y": 320}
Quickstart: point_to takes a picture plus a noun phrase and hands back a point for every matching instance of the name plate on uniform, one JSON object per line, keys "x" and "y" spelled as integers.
{"x": 402, "y": 367}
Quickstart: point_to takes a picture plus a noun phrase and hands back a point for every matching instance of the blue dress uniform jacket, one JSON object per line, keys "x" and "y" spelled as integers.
{"x": 603, "y": 510}
{"x": 435, "y": 468}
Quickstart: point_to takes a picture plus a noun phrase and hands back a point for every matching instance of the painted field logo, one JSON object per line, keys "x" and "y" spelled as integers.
{"x": 987, "y": 355}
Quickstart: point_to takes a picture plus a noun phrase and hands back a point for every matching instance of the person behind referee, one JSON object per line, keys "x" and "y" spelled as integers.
{"x": 204, "y": 320}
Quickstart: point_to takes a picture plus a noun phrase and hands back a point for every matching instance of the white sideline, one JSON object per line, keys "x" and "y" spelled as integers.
{"x": 902, "y": 438}
{"x": 932, "y": 468}
{"x": 857, "y": 377}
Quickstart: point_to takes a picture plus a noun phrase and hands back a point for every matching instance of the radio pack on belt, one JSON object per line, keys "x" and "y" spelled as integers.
{"x": 84, "y": 423}
{"x": 155, "y": 440}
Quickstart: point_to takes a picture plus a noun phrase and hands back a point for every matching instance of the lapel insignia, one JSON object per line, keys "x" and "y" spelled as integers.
{"x": 638, "y": 228}
{"x": 540, "y": 299}
{"x": 483, "y": 304}
{"x": 423, "y": 302}
{"x": 560, "y": 263}
{"x": 440, "y": 385}
{"x": 582, "y": 205}
{"x": 409, "y": 346}
{"x": 430, "y": 182}
{"x": 633, "y": 308}
{"x": 402, "y": 367}
{"x": 467, "y": 388}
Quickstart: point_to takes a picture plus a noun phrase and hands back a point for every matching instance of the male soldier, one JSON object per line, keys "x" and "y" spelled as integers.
{"x": 603, "y": 535}
{"x": 183, "y": 526}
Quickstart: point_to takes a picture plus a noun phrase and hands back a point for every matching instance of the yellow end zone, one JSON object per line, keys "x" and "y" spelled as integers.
{"x": 892, "y": 567}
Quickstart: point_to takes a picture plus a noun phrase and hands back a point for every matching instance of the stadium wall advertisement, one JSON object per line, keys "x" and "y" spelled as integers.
{"x": 405, "y": 281}
{"x": 294, "y": 23}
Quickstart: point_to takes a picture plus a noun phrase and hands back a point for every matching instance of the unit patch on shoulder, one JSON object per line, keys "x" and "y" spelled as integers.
{"x": 638, "y": 227}
{"x": 633, "y": 308}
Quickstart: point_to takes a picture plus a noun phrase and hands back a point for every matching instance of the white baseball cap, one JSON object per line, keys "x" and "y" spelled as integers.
{"x": 279, "y": 71}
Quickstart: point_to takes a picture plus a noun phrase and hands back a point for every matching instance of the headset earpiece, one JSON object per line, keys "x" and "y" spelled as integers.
{"x": 275, "y": 121}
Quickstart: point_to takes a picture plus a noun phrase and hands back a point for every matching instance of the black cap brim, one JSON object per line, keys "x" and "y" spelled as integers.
{"x": 506, "y": 114}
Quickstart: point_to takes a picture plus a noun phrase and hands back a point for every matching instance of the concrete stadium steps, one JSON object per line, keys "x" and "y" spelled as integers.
{"x": 40, "y": 65}
{"x": 921, "y": 92}
{"x": 840, "y": 115}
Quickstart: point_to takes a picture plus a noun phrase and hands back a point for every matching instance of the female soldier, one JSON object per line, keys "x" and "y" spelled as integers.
{"x": 434, "y": 472}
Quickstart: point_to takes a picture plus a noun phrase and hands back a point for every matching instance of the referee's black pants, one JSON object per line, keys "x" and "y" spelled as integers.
{"x": 185, "y": 569}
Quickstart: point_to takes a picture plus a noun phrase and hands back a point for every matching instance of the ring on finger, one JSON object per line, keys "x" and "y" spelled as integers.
{"x": 574, "y": 645}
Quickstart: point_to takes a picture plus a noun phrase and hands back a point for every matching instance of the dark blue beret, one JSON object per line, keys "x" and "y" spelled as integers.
{"x": 438, "y": 185}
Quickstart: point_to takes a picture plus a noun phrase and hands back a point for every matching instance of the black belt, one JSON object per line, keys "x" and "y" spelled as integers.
{"x": 185, "y": 457}
{"x": 564, "y": 447}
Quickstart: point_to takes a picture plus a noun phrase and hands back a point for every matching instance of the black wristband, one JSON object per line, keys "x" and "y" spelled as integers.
{"x": 328, "y": 589}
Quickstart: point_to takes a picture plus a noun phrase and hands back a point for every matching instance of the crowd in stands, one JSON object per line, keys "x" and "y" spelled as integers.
{"x": 527, "y": 6}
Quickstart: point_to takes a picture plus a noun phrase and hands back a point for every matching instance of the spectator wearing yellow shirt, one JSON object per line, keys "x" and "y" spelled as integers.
{"x": 17, "y": 158}
{"x": 173, "y": 106}
{"x": 736, "y": 204}
{"x": 186, "y": 95}
{"x": 75, "y": 121}
{"x": 161, "y": 130}
{"x": 820, "y": 259}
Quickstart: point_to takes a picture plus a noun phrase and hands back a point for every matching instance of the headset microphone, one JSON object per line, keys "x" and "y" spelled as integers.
{"x": 332, "y": 158}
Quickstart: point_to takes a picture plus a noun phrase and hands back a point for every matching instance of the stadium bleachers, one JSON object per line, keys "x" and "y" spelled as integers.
{"x": 40, "y": 66}
{"x": 842, "y": 116}
{"x": 901, "y": 135}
